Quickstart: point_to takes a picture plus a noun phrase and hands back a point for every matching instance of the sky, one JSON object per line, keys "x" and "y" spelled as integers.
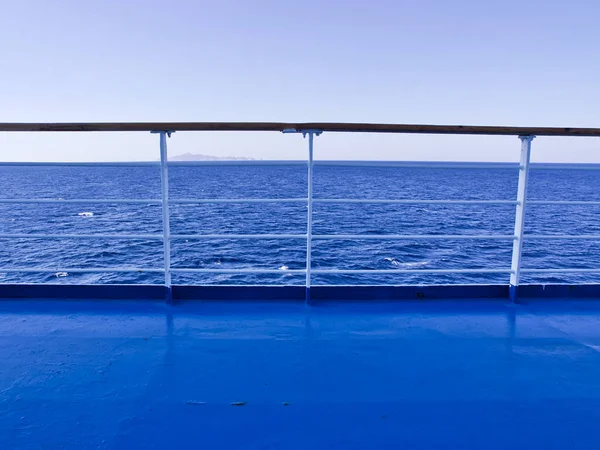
{"x": 463, "y": 62}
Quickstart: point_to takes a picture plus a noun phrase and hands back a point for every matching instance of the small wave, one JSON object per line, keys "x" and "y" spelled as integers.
{"x": 86, "y": 214}
{"x": 415, "y": 264}
{"x": 284, "y": 268}
{"x": 397, "y": 263}
{"x": 60, "y": 274}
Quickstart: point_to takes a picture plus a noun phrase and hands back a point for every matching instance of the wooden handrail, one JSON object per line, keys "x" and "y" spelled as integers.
{"x": 280, "y": 126}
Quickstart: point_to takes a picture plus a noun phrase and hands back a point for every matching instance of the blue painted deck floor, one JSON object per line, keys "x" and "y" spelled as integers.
{"x": 460, "y": 375}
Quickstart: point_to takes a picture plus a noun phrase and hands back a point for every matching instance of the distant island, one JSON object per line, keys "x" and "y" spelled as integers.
{"x": 200, "y": 157}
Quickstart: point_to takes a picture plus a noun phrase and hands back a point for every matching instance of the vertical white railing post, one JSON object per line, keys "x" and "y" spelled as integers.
{"x": 311, "y": 135}
{"x": 520, "y": 215}
{"x": 164, "y": 183}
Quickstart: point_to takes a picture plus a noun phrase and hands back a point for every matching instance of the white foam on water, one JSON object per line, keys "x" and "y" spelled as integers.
{"x": 85, "y": 214}
{"x": 397, "y": 263}
{"x": 284, "y": 267}
{"x": 414, "y": 264}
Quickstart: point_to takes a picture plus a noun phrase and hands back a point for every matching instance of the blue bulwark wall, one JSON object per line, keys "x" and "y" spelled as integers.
{"x": 293, "y": 293}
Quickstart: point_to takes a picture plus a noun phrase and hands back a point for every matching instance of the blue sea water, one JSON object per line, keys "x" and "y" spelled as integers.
{"x": 286, "y": 181}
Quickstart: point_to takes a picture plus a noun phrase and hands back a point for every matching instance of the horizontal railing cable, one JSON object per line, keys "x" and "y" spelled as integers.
{"x": 410, "y": 236}
{"x": 80, "y": 200}
{"x": 414, "y": 202}
{"x": 240, "y": 270}
{"x": 284, "y": 271}
{"x": 183, "y": 201}
{"x": 410, "y": 271}
{"x": 597, "y": 270}
{"x": 238, "y": 236}
{"x": 79, "y": 270}
{"x": 80, "y": 164}
{"x": 154, "y": 201}
{"x": 562, "y": 236}
{"x": 259, "y": 200}
{"x": 150, "y": 237}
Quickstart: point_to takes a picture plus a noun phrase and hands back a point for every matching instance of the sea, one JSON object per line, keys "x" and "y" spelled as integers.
{"x": 283, "y": 180}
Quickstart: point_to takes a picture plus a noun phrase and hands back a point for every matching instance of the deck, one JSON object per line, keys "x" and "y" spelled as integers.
{"x": 267, "y": 375}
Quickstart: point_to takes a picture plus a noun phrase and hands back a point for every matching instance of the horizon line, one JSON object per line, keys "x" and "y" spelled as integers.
{"x": 273, "y": 162}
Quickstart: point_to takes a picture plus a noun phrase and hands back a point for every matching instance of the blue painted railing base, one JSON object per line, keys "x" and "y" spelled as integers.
{"x": 294, "y": 293}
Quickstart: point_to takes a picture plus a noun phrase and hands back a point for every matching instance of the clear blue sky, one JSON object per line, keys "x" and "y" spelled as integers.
{"x": 431, "y": 61}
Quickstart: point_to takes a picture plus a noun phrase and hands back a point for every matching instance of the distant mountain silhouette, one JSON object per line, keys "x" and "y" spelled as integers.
{"x": 200, "y": 157}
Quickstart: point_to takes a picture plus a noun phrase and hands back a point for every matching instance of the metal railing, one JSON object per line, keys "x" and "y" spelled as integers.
{"x": 310, "y": 130}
